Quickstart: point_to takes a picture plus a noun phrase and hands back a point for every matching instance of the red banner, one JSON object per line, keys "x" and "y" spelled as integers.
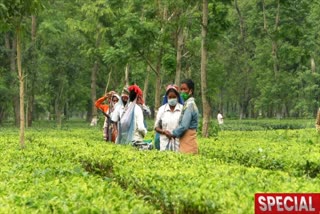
{"x": 287, "y": 203}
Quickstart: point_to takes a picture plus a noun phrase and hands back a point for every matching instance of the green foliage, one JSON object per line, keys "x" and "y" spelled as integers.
{"x": 292, "y": 151}
{"x": 73, "y": 170}
{"x": 242, "y": 81}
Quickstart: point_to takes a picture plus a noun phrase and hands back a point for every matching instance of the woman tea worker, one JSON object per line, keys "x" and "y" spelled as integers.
{"x": 188, "y": 122}
{"x": 168, "y": 118}
{"x": 132, "y": 129}
{"x": 118, "y": 111}
{"x": 111, "y": 98}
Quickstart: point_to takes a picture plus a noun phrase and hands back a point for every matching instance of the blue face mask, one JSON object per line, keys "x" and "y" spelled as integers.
{"x": 172, "y": 102}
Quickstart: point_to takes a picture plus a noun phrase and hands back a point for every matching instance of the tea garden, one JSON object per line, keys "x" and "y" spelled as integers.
{"x": 71, "y": 170}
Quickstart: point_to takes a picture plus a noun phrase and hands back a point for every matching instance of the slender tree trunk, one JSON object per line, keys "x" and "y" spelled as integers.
{"x": 58, "y": 105}
{"x": 189, "y": 71}
{"x": 275, "y": 55}
{"x": 180, "y": 38}
{"x": 313, "y": 65}
{"x": 265, "y": 24}
{"x": 146, "y": 84}
{"x": 164, "y": 14}
{"x": 274, "y": 42}
{"x": 58, "y": 113}
{"x": 21, "y": 88}
{"x": 205, "y": 103}
{"x": 94, "y": 72}
{"x": 13, "y": 70}
{"x": 274, "y": 51}
{"x": 157, "y": 97}
{"x": 33, "y": 75}
{"x": 126, "y": 75}
{"x": 108, "y": 82}
{"x": 241, "y": 21}
{"x": 94, "y": 93}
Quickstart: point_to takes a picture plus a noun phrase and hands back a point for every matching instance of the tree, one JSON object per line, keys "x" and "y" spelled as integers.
{"x": 15, "y": 13}
{"x": 205, "y": 104}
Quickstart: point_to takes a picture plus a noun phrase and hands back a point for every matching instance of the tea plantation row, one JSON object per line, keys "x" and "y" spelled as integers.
{"x": 293, "y": 151}
{"x": 72, "y": 170}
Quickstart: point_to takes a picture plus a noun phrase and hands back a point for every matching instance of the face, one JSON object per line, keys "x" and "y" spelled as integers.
{"x": 124, "y": 99}
{"x": 115, "y": 99}
{"x": 172, "y": 95}
{"x": 184, "y": 88}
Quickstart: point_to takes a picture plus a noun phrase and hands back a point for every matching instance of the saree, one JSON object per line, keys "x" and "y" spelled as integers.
{"x": 188, "y": 142}
{"x": 126, "y": 125}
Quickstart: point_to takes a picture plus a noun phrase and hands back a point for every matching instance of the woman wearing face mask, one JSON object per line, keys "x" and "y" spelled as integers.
{"x": 188, "y": 122}
{"x": 168, "y": 118}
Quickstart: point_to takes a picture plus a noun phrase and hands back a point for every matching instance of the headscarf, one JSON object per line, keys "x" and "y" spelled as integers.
{"x": 125, "y": 92}
{"x": 115, "y": 104}
{"x": 138, "y": 92}
{"x": 175, "y": 88}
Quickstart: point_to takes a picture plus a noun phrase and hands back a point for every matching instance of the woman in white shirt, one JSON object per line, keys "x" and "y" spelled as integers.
{"x": 168, "y": 118}
{"x": 131, "y": 127}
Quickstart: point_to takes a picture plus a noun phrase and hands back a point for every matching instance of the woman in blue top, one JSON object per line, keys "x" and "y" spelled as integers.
{"x": 188, "y": 122}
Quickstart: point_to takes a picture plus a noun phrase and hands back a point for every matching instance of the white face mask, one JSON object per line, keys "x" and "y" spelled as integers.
{"x": 173, "y": 101}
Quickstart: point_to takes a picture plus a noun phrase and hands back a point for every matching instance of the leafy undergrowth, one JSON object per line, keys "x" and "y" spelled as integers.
{"x": 45, "y": 178}
{"x": 292, "y": 151}
{"x": 72, "y": 170}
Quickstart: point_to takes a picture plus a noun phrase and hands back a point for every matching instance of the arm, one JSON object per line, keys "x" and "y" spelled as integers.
{"x": 157, "y": 125}
{"x": 99, "y": 104}
{"x": 184, "y": 123}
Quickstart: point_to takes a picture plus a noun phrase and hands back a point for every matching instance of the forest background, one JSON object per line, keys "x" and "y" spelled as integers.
{"x": 249, "y": 59}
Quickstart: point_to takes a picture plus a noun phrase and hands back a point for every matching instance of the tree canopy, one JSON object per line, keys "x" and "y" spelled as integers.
{"x": 262, "y": 55}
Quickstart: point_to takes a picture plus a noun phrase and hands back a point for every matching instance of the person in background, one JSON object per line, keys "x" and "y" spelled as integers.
{"x": 167, "y": 118}
{"x": 107, "y": 108}
{"x": 132, "y": 129}
{"x": 220, "y": 118}
{"x": 188, "y": 122}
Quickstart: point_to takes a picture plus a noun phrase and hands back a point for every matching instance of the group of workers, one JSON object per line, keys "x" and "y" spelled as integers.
{"x": 176, "y": 121}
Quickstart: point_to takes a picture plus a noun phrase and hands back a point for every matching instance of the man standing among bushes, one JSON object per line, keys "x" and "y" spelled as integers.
{"x": 220, "y": 118}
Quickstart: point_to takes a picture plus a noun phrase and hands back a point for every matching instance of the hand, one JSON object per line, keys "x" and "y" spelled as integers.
{"x": 110, "y": 94}
{"x": 168, "y": 134}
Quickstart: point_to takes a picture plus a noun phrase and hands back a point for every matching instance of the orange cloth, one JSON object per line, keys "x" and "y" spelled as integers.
{"x": 105, "y": 108}
{"x": 188, "y": 142}
{"x": 99, "y": 104}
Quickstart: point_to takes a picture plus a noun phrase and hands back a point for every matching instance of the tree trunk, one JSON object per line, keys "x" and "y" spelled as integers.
{"x": 94, "y": 93}
{"x": 94, "y": 72}
{"x": 163, "y": 13}
{"x": 313, "y": 65}
{"x": 13, "y": 70}
{"x": 108, "y": 82}
{"x": 58, "y": 107}
{"x": 241, "y": 22}
{"x": 180, "y": 39}
{"x": 126, "y": 75}
{"x": 265, "y": 25}
{"x": 32, "y": 78}
{"x": 205, "y": 103}
{"x": 146, "y": 84}
{"x": 58, "y": 113}
{"x": 275, "y": 44}
{"x": 189, "y": 71}
{"x": 157, "y": 95}
{"x": 21, "y": 88}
